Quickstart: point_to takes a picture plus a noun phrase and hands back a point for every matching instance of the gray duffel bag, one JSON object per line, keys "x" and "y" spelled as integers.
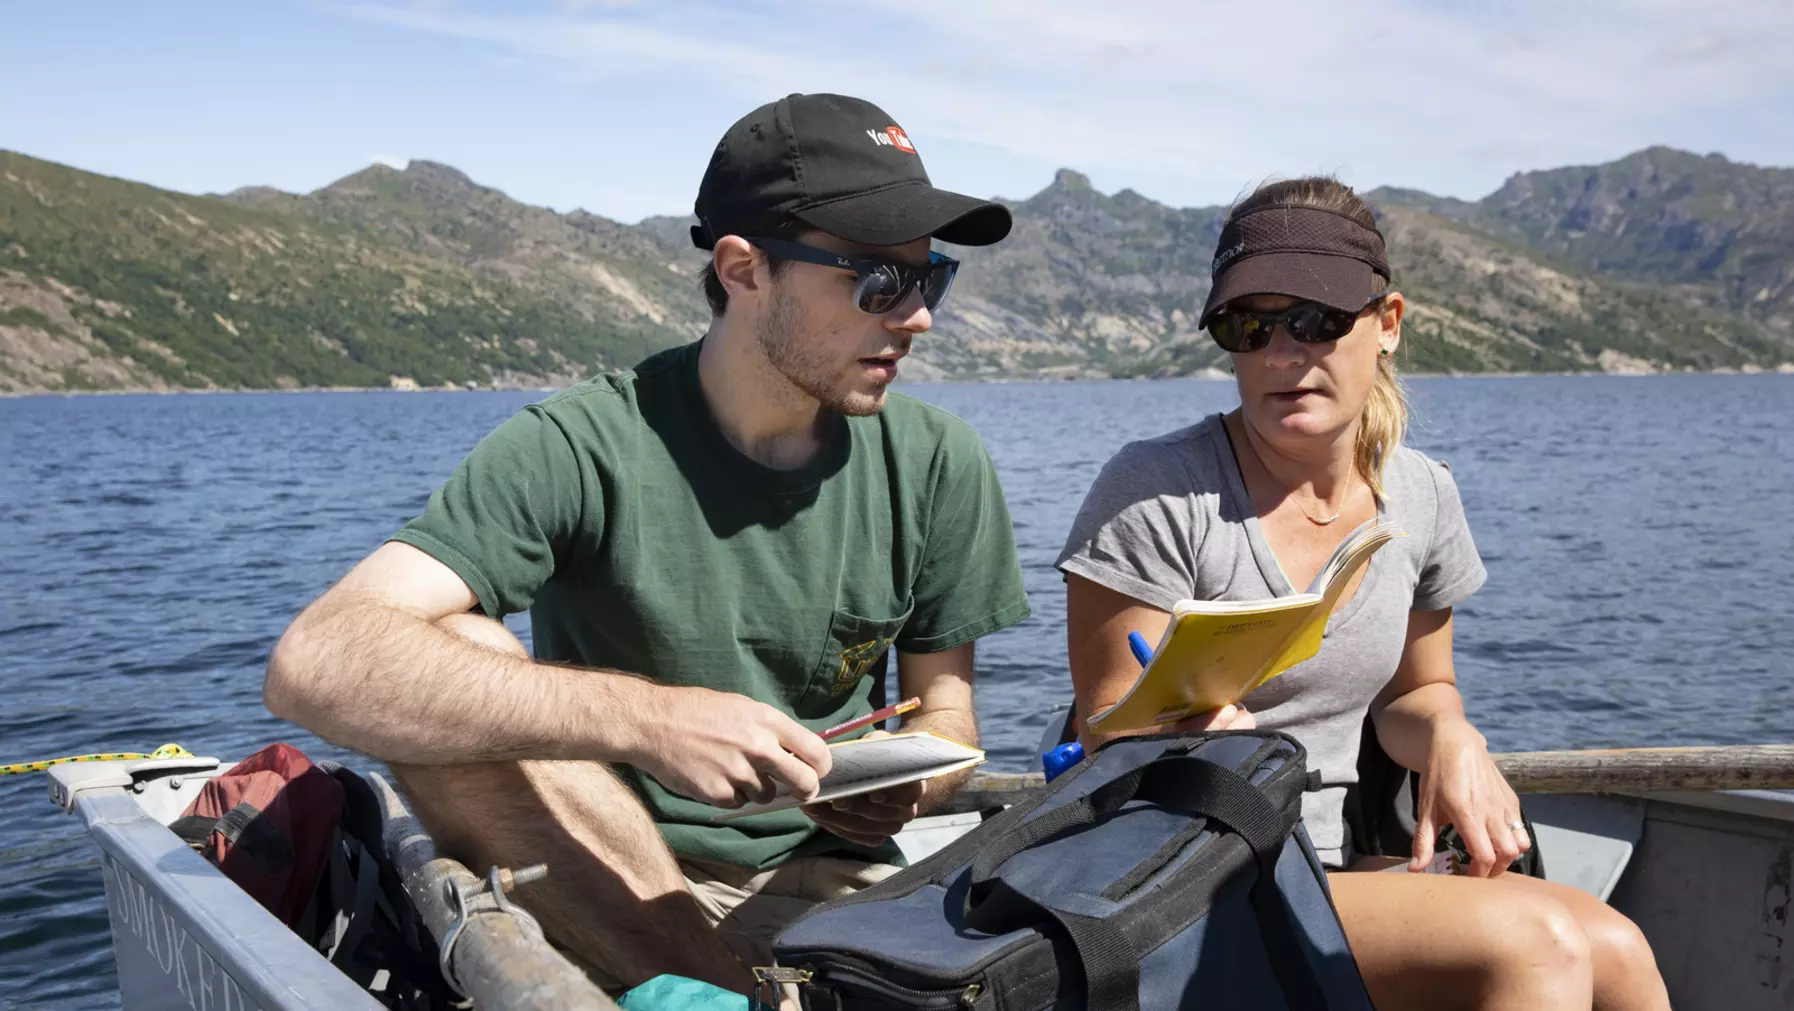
{"x": 1161, "y": 872}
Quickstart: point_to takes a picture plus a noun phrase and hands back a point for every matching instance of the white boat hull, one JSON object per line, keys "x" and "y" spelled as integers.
{"x": 1708, "y": 877}
{"x": 185, "y": 937}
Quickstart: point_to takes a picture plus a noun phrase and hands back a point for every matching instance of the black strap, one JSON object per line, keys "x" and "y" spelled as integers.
{"x": 1111, "y": 968}
{"x": 193, "y": 829}
{"x": 267, "y": 847}
{"x": 1094, "y": 806}
{"x": 1227, "y": 797}
{"x": 236, "y": 821}
{"x": 361, "y": 912}
{"x": 1223, "y": 795}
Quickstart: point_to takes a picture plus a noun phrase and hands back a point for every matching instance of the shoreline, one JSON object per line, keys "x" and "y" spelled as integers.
{"x": 1211, "y": 375}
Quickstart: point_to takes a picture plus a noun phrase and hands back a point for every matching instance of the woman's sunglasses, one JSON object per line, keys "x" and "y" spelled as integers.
{"x": 1243, "y": 331}
{"x": 880, "y": 285}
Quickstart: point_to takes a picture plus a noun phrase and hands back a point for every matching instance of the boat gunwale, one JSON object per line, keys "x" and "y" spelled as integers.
{"x": 259, "y": 954}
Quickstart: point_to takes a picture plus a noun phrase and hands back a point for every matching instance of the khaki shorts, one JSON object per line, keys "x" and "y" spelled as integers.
{"x": 748, "y": 908}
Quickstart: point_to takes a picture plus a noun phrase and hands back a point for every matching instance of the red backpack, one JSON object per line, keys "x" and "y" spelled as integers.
{"x": 268, "y": 824}
{"x": 305, "y": 841}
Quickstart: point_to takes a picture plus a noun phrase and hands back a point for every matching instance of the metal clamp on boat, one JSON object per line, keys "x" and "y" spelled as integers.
{"x": 69, "y": 781}
{"x": 768, "y": 981}
{"x": 498, "y": 882}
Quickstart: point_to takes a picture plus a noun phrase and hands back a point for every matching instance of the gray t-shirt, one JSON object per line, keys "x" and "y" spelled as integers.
{"x": 1169, "y": 519}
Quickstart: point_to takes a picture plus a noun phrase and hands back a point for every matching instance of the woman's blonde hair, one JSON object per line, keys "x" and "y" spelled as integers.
{"x": 1384, "y": 419}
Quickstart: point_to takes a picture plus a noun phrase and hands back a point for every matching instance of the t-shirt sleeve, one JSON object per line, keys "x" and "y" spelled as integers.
{"x": 969, "y": 582}
{"x": 1452, "y": 569}
{"x": 1137, "y": 527}
{"x": 510, "y": 509}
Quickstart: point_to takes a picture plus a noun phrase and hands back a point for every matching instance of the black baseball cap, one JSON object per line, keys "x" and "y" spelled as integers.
{"x": 1304, "y": 252}
{"x": 835, "y": 163}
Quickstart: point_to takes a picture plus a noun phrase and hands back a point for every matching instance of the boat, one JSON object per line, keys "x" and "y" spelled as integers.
{"x": 1696, "y": 845}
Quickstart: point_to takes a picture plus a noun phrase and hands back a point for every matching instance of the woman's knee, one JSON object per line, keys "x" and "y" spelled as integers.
{"x": 1543, "y": 941}
{"x": 1617, "y": 944}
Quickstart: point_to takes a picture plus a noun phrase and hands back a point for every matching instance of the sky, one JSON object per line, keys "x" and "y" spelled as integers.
{"x": 615, "y": 105}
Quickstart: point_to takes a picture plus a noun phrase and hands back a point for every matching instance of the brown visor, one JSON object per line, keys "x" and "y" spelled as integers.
{"x": 1303, "y": 252}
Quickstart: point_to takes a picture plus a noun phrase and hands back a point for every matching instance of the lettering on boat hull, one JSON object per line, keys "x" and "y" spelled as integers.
{"x": 160, "y": 966}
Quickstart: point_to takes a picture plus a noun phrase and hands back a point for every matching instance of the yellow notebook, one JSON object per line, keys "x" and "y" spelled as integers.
{"x": 1216, "y": 651}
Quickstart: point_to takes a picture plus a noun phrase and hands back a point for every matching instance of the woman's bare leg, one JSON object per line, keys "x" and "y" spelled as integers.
{"x": 1624, "y": 971}
{"x": 1626, "y": 976}
{"x": 1436, "y": 942}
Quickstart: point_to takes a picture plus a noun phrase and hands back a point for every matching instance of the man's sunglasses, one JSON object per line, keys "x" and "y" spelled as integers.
{"x": 880, "y": 285}
{"x": 1243, "y": 331}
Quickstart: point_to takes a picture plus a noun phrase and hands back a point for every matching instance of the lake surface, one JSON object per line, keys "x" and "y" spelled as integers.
{"x": 1639, "y": 536}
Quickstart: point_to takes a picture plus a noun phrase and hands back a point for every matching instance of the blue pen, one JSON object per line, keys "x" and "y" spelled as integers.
{"x": 1071, "y": 753}
{"x": 1142, "y": 652}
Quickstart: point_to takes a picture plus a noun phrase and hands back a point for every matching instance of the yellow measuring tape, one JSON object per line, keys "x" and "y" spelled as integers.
{"x": 165, "y": 751}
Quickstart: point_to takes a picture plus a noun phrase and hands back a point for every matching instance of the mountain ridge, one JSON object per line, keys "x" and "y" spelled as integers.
{"x": 1661, "y": 260}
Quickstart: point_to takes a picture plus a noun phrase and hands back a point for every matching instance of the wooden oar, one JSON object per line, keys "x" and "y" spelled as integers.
{"x": 501, "y": 964}
{"x": 1619, "y": 770}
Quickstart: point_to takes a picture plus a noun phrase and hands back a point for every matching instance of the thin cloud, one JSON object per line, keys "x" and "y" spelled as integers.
{"x": 1206, "y": 97}
{"x": 390, "y": 161}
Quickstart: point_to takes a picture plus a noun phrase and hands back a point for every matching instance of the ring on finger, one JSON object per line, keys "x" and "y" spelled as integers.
{"x": 1517, "y": 825}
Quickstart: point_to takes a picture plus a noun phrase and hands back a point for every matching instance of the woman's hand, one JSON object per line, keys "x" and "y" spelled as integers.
{"x": 1461, "y": 787}
{"x": 1229, "y": 717}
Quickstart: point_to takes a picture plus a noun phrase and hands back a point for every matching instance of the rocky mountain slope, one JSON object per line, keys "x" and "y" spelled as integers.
{"x": 1662, "y": 260}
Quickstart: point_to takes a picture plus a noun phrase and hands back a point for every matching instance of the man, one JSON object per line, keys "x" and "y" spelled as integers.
{"x": 718, "y": 549}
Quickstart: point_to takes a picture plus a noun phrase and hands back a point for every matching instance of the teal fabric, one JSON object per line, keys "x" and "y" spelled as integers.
{"x": 676, "y": 993}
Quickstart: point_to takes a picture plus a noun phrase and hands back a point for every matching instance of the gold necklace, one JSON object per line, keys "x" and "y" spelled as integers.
{"x": 1289, "y": 493}
{"x": 1316, "y": 521}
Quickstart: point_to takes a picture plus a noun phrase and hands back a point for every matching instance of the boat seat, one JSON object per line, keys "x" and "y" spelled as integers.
{"x": 1590, "y": 837}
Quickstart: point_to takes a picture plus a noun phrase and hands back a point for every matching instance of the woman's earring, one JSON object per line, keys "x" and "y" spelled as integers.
{"x": 1384, "y": 352}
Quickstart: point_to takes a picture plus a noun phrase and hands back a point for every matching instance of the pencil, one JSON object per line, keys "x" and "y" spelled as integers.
{"x": 877, "y": 716}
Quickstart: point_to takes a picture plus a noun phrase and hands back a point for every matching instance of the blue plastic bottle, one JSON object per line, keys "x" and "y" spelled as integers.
{"x": 1061, "y": 758}
{"x": 1071, "y": 753}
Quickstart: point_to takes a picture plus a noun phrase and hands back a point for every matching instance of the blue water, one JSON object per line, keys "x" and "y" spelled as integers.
{"x": 1639, "y": 535}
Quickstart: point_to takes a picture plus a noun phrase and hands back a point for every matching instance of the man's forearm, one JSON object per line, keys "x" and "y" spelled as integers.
{"x": 403, "y": 689}
{"x": 954, "y": 724}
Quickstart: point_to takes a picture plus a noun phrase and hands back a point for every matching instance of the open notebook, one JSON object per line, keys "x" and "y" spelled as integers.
{"x": 862, "y": 766}
{"x": 1215, "y": 651}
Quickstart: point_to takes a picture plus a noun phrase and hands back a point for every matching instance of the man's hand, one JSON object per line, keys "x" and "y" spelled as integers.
{"x": 871, "y": 818}
{"x": 723, "y": 749}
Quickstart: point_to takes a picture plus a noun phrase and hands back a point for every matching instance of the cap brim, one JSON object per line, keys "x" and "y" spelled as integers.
{"x": 1338, "y": 282}
{"x": 898, "y": 214}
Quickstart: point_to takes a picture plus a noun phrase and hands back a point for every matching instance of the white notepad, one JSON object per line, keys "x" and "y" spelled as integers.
{"x": 862, "y": 766}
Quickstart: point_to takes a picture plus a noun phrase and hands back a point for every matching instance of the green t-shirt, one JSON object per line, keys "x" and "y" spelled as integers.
{"x": 641, "y": 539}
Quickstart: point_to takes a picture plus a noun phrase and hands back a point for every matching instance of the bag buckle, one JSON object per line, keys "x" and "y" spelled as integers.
{"x": 768, "y": 979}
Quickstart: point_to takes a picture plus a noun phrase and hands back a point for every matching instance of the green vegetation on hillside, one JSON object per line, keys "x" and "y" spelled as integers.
{"x": 205, "y": 293}
{"x": 1662, "y": 260}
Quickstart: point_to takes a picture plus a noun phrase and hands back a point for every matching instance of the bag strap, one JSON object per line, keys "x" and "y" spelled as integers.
{"x": 1089, "y": 809}
{"x": 193, "y": 829}
{"x": 1225, "y": 796}
{"x": 1200, "y": 787}
{"x": 1111, "y": 967}
{"x": 242, "y": 827}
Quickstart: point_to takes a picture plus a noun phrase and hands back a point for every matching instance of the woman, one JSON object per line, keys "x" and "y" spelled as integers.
{"x": 1250, "y": 505}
